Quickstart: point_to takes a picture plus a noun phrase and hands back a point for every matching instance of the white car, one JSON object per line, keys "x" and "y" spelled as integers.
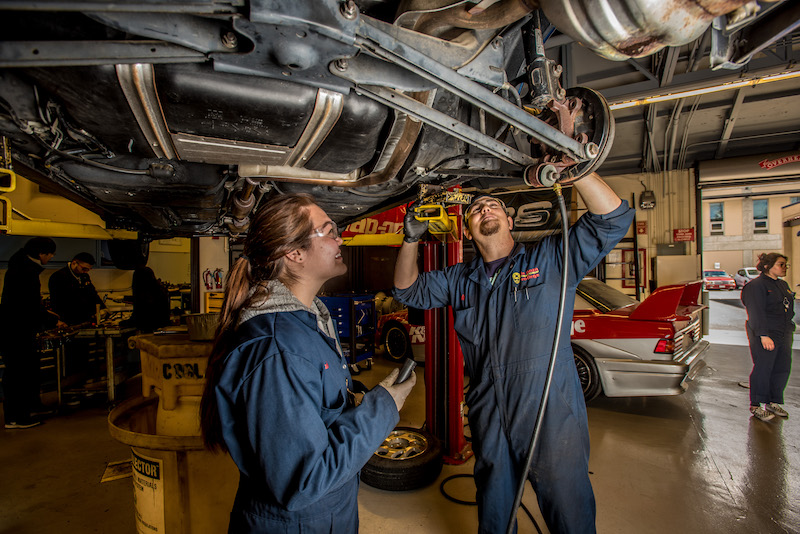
{"x": 627, "y": 348}
{"x": 744, "y": 275}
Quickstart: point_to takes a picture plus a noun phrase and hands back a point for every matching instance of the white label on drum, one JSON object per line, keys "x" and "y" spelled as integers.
{"x": 148, "y": 493}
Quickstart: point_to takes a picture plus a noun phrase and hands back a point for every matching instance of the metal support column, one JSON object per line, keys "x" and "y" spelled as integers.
{"x": 444, "y": 362}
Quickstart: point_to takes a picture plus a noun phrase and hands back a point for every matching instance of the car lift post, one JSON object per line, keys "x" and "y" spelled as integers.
{"x": 444, "y": 362}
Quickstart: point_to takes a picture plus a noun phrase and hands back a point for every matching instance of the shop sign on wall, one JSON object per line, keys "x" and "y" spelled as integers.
{"x": 682, "y": 234}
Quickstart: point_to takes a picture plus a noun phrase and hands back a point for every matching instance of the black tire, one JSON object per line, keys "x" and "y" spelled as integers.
{"x": 396, "y": 342}
{"x": 587, "y": 373}
{"x": 409, "y": 459}
{"x": 128, "y": 254}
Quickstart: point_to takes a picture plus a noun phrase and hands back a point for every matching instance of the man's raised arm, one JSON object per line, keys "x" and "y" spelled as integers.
{"x": 406, "y": 270}
{"x": 598, "y": 196}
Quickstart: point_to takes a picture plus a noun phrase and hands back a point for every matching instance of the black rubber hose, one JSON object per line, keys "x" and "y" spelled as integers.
{"x": 475, "y": 503}
{"x": 556, "y": 340}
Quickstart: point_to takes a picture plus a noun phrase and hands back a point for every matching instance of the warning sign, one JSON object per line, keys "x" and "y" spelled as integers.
{"x": 148, "y": 493}
{"x": 683, "y": 234}
{"x": 641, "y": 227}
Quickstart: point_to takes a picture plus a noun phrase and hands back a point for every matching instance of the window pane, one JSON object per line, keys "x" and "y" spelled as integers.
{"x": 760, "y": 209}
{"x": 715, "y": 211}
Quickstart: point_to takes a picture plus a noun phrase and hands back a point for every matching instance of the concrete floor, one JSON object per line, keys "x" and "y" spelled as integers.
{"x": 692, "y": 463}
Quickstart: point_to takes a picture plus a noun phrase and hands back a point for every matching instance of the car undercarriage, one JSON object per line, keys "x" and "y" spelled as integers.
{"x": 178, "y": 118}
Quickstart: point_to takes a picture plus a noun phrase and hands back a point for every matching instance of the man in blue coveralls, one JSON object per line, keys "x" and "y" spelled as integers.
{"x": 505, "y": 305}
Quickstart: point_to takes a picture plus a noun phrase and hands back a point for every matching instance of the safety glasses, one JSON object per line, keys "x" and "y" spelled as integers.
{"x": 481, "y": 202}
{"x": 331, "y": 232}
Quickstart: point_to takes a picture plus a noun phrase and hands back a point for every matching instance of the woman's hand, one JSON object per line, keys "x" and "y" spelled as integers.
{"x": 399, "y": 392}
{"x": 767, "y": 343}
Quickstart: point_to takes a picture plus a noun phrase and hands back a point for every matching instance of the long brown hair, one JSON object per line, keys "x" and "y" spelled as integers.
{"x": 280, "y": 226}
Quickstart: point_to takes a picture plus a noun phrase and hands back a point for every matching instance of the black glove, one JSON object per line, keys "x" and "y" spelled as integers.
{"x": 412, "y": 228}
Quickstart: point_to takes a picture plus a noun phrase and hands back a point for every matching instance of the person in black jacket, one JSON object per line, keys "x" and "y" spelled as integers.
{"x": 22, "y": 315}
{"x": 150, "y": 301}
{"x": 770, "y": 309}
{"x": 72, "y": 293}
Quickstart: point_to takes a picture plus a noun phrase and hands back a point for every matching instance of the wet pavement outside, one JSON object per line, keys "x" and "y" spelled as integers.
{"x": 727, "y": 318}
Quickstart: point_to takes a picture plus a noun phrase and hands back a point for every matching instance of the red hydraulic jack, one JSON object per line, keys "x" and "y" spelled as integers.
{"x": 444, "y": 362}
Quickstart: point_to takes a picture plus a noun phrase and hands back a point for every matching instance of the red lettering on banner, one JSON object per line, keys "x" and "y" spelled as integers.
{"x": 772, "y": 163}
{"x": 388, "y": 222}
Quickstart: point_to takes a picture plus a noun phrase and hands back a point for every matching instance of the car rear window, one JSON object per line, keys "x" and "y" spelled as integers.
{"x": 715, "y": 273}
{"x": 602, "y": 296}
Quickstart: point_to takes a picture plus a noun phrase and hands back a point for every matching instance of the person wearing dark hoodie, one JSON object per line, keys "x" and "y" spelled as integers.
{"x": 22, "y": 316}
{"x": 277, "y": 394}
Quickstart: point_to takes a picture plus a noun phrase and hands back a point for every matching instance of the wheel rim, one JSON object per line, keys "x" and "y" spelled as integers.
{"x": 584, "y": 374}
{"x": 396, "y": 344}
{"x": 402, "y": 445}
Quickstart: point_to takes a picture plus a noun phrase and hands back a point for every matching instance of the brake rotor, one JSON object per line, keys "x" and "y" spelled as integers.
{"x": 583, "y": 115}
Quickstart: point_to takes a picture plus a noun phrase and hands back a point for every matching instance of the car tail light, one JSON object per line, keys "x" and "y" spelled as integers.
{"x": 665, "y": 346}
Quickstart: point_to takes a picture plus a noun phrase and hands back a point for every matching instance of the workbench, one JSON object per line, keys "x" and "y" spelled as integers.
{"x": 109, "y": 334}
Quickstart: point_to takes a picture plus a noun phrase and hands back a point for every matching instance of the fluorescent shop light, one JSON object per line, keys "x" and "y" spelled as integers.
{"x": 706, "y": 90}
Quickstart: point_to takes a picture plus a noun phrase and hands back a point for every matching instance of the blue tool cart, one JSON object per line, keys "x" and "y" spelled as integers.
{"x": 356, "y": 324}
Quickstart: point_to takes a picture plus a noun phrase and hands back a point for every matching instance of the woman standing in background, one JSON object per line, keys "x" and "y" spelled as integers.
{"x": 770, "y": 309}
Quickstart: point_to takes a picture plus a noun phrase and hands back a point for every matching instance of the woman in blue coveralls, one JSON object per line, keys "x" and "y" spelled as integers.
{"x": 770, "y": 309}
{"x": 277, "y": 396}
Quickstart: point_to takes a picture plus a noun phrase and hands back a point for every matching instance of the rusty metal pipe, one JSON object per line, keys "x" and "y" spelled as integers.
{"x": 244, "y": 200}
{"x": 496, "y": 16}
{"x": 622, "y": 29}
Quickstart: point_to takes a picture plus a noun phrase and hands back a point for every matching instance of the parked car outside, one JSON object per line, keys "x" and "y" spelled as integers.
{"x": 715, "y": 279}
{"x": 744, "y": 275}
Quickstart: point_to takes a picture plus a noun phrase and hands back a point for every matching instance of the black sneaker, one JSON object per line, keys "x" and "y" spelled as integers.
{"x": 15, "y": 425}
